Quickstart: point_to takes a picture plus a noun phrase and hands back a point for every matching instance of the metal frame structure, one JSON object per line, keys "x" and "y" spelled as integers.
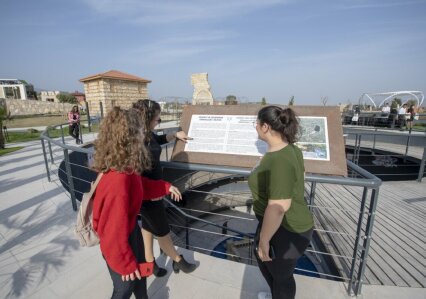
{"x": 418, "y": 95}
{"x": 364, "y": 226}
{"x": 407, "y": 141}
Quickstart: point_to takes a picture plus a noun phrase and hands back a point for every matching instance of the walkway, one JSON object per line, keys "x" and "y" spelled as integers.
{"x": 40, "y": 258}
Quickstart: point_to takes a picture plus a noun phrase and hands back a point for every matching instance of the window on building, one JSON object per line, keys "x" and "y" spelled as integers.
{"x": 112, "y": 87}
{"x": 8, "y": 92}
{"x": 12, "y": 92}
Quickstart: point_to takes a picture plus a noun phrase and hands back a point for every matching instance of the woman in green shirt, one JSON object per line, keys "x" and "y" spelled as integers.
{"x": 277, "y": 184}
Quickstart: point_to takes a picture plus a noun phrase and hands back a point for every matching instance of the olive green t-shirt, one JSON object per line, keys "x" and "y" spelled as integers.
{"x": 280, "y": 175}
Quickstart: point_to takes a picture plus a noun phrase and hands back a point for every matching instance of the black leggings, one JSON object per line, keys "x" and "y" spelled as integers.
{"x": 74, "y": 131}
{"x": 124, "y": 289}
{"x": 278, "y": 273}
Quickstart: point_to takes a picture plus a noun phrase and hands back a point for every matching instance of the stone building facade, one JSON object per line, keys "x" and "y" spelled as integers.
{"x": 113, "y": 88}
{"x": 50, "y": 96}
{"x": 202, "y": 94}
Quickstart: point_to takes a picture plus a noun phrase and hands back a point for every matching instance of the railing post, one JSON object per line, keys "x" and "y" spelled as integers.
{"x": 374, "y": 142}
{"x": 45, "y": 159}
{"x": 62, "y": 134}
{"x": 367, "y": 239}
{"x": 352, "y": 281}
{"x": 354, "y": 152}
{"x": 50, "y": 147}
{"x": 407, "y": 145}
{"x": 89, "y": 122}
{"x": 422, "y": 166}
{"x": 70, "y": 180}
{"x": 312, "y": 195}
{"x": 80, "y": 132}
{"x": 358, "y": 149}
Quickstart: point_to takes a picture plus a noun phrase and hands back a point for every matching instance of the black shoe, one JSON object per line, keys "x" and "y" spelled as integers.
{"x": 157, "y": 271}
{"x": 184, "y": 266}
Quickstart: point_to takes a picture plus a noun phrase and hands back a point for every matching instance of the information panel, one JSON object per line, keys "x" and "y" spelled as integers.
{"x": 226, "y": 135}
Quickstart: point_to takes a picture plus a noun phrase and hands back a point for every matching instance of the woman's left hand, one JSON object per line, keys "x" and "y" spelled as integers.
{"x": 175, "y": 193}
{"x": 181, "y": 135}
{"x": 263, "y": 251}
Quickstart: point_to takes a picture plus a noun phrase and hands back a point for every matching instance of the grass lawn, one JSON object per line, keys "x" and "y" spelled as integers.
{"x": 37, "y": 121}
{"x": 10, "y": 150}
{"x": 34, "y": 134}
{"x": 419, "y": 127}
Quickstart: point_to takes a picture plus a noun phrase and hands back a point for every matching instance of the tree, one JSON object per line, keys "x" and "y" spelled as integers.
{"x": 411, "y": 102}
{"x": 231, "y": 100}
{"x": 396, "y": 102}
{"x": 291, "y": 101}
{"x": 263, "y": 101}
{"x": 66, "y": 98}
{"x": 324, "y": 100}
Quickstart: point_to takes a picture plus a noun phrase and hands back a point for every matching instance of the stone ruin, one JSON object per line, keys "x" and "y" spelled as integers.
{"x": 202, "y": 94}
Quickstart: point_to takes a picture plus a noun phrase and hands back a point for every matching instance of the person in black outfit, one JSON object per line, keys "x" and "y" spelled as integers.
{"x": 412, "y": 111}
{"x": 153, "y": 213}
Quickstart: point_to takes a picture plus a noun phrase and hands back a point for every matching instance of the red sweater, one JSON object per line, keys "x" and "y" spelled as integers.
{"x": 117, "y": 202}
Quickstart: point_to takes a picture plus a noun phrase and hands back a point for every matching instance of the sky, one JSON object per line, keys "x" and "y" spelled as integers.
{"x": 309, "y": 49}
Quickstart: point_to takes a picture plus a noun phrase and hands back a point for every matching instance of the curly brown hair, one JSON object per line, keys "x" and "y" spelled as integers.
{"x": 119, "y": 145}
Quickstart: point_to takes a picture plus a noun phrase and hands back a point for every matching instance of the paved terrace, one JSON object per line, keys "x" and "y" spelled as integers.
{"x": 40, "y": 258}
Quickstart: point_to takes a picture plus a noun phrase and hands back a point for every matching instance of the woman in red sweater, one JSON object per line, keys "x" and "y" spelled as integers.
{"x": 121, "y": 156}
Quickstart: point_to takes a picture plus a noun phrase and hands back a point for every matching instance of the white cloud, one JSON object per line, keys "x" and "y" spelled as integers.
{"x": 379, "y": 4}
{"x": 178, "y": 47}
{"x": 169, "y": 11}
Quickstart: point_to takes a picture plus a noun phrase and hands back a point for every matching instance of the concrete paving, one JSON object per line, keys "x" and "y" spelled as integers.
{"x": 40, "y": 258}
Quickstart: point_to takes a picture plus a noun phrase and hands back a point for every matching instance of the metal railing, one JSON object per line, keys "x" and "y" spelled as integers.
{"x": 380, "y": 119}
{"x": 64, "y": 169}
{"x": 387, "y": 147}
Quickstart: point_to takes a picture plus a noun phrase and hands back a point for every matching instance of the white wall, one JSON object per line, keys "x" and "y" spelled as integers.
{"x": 21, "y": 87}
{"x": 50, "y": 95}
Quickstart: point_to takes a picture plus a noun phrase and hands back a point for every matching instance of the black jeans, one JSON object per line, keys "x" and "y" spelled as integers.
{"x": 278, "y": 273}
{"x": 124, "y": 289}
{"x": 74, "y": 131}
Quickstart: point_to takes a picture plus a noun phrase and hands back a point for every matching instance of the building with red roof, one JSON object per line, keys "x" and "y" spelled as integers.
{"x": 113, "y": 88}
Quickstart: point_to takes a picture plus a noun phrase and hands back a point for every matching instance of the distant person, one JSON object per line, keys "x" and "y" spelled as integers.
{"x": 120, "y": 155}
{"x": 412, "y": 113}
{"x": 153, "y": 213}
{"x": 357, "y": 109}
{"x": 277, "y": 184}
{"x": 74, "y": 123}
{"x": 402, "y": 116}
{"x": 386, "y": 108}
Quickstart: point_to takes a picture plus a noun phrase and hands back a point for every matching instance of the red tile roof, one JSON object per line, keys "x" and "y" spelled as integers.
{"x": 77, "y": 93}
{"x": 117, "y": 75}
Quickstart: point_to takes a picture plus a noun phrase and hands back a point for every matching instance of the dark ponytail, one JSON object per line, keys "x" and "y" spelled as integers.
{"x": 284, "y": 121}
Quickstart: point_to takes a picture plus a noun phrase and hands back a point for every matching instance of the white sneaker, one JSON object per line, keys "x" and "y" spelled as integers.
{"x": 264, "y": 295}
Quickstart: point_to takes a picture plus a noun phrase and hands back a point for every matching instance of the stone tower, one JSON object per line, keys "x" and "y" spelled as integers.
{"x": 202, "y": 94}
{"x": 113, "y": 88}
